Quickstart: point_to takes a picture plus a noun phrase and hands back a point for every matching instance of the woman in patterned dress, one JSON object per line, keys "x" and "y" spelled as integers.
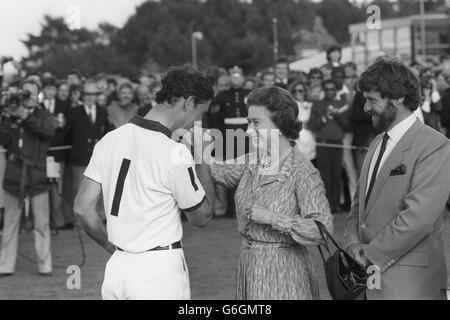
{"x": 278, "y": 197}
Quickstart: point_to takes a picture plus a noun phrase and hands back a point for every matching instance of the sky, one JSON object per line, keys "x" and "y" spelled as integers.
{"x": 20, "y": 17}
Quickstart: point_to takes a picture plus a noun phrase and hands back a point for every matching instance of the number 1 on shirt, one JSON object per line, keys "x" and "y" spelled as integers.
{"x": 119, "y": 187}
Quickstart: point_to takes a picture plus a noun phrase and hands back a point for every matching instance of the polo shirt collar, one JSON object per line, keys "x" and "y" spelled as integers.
{"x": 151, "y": 125}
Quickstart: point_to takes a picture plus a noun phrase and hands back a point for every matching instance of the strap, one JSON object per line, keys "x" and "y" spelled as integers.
{"x": 324, "y": 231}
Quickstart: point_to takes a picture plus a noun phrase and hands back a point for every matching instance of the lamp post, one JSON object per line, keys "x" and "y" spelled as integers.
{"x": 196, "y": 36}
{"x": 275, "y": 39}
{"x": 422, "y": 26}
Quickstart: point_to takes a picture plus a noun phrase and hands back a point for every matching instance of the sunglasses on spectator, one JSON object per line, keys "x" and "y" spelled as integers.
{"x": 90, "y": 93}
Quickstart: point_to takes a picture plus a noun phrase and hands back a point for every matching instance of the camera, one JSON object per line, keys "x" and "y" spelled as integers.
{"x": 15, "y": 100}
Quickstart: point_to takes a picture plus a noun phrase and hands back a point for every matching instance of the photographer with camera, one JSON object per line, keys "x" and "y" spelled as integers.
{"x": 25, "y": 131}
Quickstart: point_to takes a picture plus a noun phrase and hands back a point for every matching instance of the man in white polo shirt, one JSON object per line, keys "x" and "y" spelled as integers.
{"x": 147, "y": 179}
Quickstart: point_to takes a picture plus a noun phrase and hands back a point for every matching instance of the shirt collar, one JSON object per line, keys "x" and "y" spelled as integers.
{"x": 399, "y": 130}
{"x": 151, "y": 125}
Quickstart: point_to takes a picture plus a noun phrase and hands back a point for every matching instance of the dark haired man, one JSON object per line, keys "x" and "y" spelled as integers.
{"x": 56, "y": 159}
{"x": 397, "y": 214}
{"x": 281, "y": 70}
{"x": 144, "y": 193}
{"x": 330, "y": 118}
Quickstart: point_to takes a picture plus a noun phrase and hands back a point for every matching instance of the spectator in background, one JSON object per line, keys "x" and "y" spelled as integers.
{"x": 143, "y": 99}
{"x": 445, "y": 100}
{"x": 154, "y": 88}
{"x": 250, "y": 84}
{"x": 349, "y": 174}
{"x": 362, "y": 128}
{"x": 334, "y": 56}
{"x": 281, "y": 70}
{"x": 329, "y": 121}
{"x": 231, "y": 113}
{"x": 220, "y": 81}
{"x": 56, "y": 159}
{"x": 416, "y": 68}
{"x": 87, "y": 124}
{"x": 102, "y": 100}
{"x": 63, "y": 92}
{"x": 268, "y": 79}
{"x": 111, "y": 90}
{"x": 26, "y": 131}
{"x": 315, "y": 79}
{"x": 306, "y": 142}
{"x": 74, "y": 77}
{"x": 430, "y": 109}
{"x": 121, "y": 112}
{"x": 147, "y": 80}
{"x": 36, "y": 77}
{"x": 343, "y": 93}
{"x": 75, "y": 96}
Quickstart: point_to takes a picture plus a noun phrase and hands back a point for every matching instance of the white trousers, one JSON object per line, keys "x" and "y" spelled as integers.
{"x": 151, "y": 275}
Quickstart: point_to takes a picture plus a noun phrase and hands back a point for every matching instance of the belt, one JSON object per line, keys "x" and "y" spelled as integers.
{"x": 175, "y": 245}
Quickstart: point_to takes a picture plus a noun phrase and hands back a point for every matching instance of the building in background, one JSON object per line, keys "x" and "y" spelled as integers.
{"x": 401, "y": 37}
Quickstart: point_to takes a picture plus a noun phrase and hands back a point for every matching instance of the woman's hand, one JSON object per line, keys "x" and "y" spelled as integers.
{"x": 261, "y": 215}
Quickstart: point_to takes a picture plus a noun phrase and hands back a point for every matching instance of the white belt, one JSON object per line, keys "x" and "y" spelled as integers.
{"x": 236, "y": 121}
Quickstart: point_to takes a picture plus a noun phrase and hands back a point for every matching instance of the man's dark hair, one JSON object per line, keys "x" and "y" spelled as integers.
{"x": 329, "y": 81}
{"x": 184, "y": 82}
{"x": 333, "y": 48}
{"x": 127, "y": 85}
{"x": 314, "y": 71}
{"x": 282, "y": 106}
{"x": 393, "y": 80}
{"x": 111, "y": 81}
{"x": 49, "y": 82}
{"x": 351, "y": 64}
{"x": 32, "y": 82}
{"x": 282, "y": 60}
{"x": 214, "y": 73}
{"x": 75, "y": 72}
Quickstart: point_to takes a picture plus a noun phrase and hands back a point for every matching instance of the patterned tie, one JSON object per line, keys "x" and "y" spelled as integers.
{"x": 377, "y": 164}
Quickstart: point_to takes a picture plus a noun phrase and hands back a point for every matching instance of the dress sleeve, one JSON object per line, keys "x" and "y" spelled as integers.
{"x": 313, "y": 205}
{"x": 229, "y": 173}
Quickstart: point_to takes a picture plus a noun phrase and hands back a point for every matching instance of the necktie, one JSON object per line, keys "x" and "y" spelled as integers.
{"x": 377, "y": 165}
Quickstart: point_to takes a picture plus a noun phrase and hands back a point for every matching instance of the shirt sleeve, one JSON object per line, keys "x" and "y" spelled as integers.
{"x": 184, "y": 184}
{"x": 93, "y": 170}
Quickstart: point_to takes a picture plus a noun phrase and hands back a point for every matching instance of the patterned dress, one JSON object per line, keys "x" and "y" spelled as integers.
{"x": 274, "y": 262}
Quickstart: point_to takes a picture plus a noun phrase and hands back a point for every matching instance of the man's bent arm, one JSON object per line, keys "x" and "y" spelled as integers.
{"x": 201, "y": 216}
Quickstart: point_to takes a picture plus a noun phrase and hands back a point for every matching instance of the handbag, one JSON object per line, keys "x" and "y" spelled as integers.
{"x": 346, "y": 279}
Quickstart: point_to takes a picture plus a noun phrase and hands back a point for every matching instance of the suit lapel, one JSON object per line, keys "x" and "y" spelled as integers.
{"x": 393, "y": 160}
{"x": 365, "y": 172}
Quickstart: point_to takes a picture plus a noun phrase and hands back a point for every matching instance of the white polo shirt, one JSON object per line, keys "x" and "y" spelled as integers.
{"x": 147, "y": 179}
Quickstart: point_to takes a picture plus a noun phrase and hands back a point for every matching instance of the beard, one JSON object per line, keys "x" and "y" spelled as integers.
{"x": 382, "y": 121}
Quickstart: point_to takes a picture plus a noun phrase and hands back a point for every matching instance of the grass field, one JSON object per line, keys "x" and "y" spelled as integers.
{"x": 211, "y": 254}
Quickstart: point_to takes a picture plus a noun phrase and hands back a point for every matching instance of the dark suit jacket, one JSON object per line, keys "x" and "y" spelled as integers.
{"x": 445, "y": 115}
{"x": 83, "y": 135}
{"x": 333, "y": 129}
{"x": 60, "y": 138}
{"x": 361, "y": 122}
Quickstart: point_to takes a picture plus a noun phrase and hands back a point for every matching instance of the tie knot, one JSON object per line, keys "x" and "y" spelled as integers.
{"x": 385, "y": 137}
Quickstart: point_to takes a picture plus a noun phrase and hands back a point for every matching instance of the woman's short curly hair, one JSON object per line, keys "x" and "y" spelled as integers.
{"x": 393, "y": 80}
{"x": 282, "y": 106}
{"x": 184, "y": 82}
